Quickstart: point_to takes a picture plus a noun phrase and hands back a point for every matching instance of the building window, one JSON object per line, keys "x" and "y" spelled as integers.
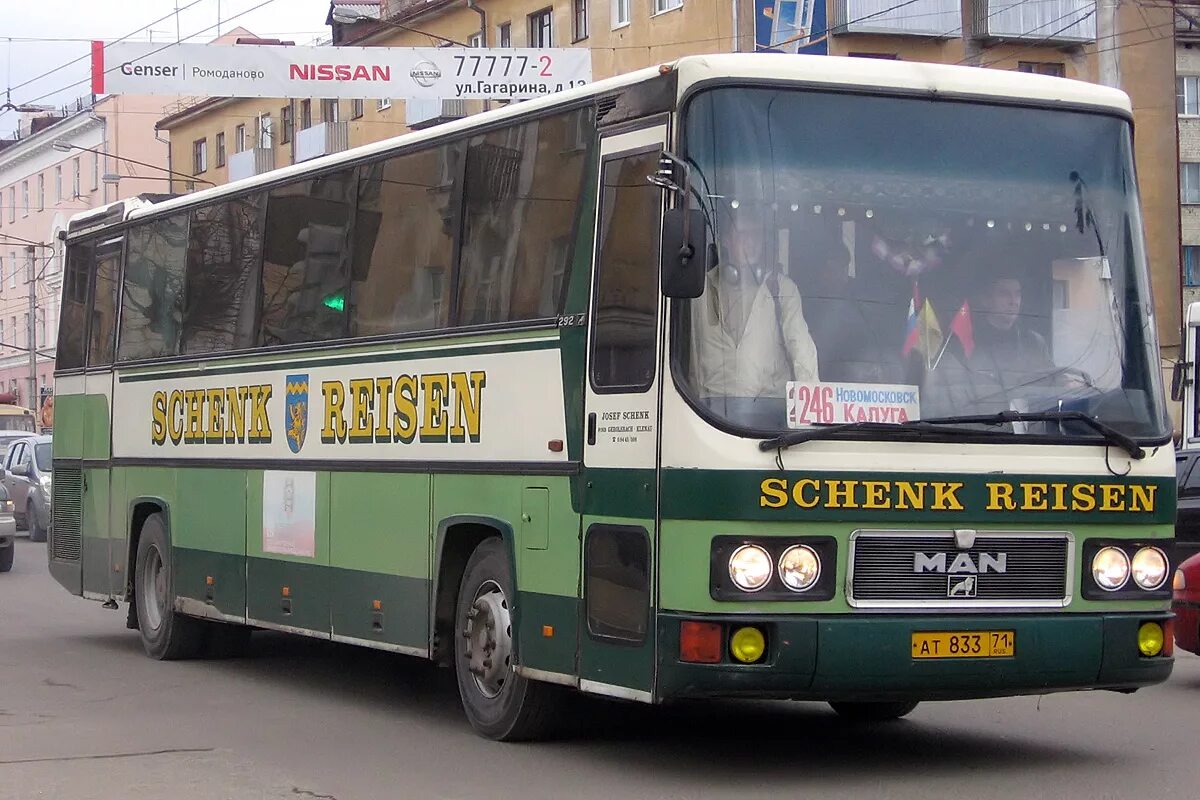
{"x": 1054, "y": 68}
{"x": 661, "y": 6}
{"x": 12, "y": 279}
{"x": 199, "y": 156}
{"x": 58, "y": 184}
{"x": 285, "y": 119}
{"x": 579, "y": 19}
{"x": 620, "y": 13}
{"x": 41, "y": 191}
{"x": 266, "y": 131}
{"x": 76, "y": 177}
{"x": 884, "y": 56}
{"x": 541, "y": 28}
{"x": 1191, "y": 265}
{"x": 1189, "y": 183}
{"x": 239, "y": 139}
{"x": 504, "y": 34}
{"x": 24, "y": 198}
{"x": 357, "y": 108}
{"x": 305, "y": 114}
{"x": 384, "y": 104}
{"x": 330, "y": 110}
{"x": 12, "y": 204}
{"x": 475, "y": 40}
{"x": 95, "y": 171}
{"x": 1187, "y": 87}
{"x": 221, "y": 149}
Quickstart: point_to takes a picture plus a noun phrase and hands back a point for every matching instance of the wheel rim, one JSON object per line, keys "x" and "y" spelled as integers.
{"x": 154, "y": 588}
{"x": 488, "y": 634}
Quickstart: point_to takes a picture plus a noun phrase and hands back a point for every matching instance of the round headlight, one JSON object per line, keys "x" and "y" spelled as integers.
{"x": 750, "y": 567}
{"x": 1110, "y": 568}
{"x": 1150, "y": 568}
{"x": 799, "y": 567}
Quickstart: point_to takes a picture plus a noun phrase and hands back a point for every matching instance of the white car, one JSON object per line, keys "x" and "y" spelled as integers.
{"x": 8, "y": 531}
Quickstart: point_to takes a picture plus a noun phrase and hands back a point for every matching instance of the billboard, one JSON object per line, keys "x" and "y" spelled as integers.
{"x": 791, "y": 26}
{"x": 216, "y": 70}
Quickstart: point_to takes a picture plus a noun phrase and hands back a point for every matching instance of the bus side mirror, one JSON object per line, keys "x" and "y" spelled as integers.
{"x": 1178, "y": 380}
{"x": 686, "y": 256}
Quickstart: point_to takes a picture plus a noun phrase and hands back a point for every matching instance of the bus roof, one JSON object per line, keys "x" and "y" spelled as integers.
{"x": 933, "y": 80}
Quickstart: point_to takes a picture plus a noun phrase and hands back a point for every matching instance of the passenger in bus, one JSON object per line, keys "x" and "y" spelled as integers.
{"x": 855, "y": 337}
{"x": 1004, "y": 362}
{"x": 749, "y": 336}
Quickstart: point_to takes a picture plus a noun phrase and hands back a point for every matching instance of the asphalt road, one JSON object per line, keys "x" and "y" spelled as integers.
{"x": 84, "y": 715}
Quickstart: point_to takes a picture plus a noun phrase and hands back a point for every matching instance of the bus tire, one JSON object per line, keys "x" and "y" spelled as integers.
{"x": 166, "y": 634}
{"x": 874, "y": 712}
{"x": 499, "y": 703}
{"x": 36, "y": 532}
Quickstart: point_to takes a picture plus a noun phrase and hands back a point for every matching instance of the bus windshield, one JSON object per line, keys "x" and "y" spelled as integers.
{"x": 886, "y": 259}
{"x": 17, "y": 421}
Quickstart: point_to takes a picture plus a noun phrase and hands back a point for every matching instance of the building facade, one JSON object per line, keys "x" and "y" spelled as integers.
{"x": 58, "y": 164}
{"x": 1055, "y": 37}
{"x": 1187, "y": 99}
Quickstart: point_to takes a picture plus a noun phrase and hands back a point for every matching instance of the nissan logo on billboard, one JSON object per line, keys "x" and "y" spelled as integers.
{"x": 425, "y": 73}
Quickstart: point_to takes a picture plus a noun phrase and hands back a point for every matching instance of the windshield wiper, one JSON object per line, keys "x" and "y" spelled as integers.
{"x": 1110, "y": 434}
{"x": 791, "y": 438}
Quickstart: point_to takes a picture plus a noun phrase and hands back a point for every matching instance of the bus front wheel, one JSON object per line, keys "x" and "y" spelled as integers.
{"x": 874, "y": 712}
{"x": 499, "y": 703}
{"x": 166, "y": 634}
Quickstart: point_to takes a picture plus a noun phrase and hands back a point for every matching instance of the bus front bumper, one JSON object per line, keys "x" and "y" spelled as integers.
{"x": 870, "y": 657}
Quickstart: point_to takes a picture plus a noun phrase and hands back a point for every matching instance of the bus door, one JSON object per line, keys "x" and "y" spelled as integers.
{"x": 621, "y": 425}
{"x": 1191, "y": 348}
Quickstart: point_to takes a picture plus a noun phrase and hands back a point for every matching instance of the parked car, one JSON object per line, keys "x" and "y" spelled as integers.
{"x": 27, "y": 476}
{"x": 1186, "y": 605}
{"x": 8, "y": 531}
{"x": 1187, "y": 514}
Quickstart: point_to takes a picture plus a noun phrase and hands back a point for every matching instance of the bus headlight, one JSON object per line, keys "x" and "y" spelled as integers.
{"x": 750, "y": 567}
{"x": 1110, "y": 568}
{"x": 799, "y": 567}
{"x": 1150, "y": 568}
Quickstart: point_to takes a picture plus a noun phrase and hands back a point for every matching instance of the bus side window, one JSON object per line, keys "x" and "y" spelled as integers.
{"x": 104, "y": 305}
{"x": 72, "y": 327}
{"x": 224, "y": 248}
{"x": 405, "y": 243}
{"x": 152, "y": 296}
{"x": 305, "y": 260}
{"x": 521, "y": 202}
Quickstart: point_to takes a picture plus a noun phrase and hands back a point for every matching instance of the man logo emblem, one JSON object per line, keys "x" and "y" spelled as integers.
{"x": 297, "y": 411}
{"x": 960, "y": 587}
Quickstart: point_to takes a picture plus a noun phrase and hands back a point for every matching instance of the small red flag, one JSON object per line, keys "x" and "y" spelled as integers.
{"x": 961, "y": 327}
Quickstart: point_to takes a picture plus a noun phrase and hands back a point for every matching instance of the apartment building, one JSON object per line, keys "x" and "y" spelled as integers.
{"x": 59, "y": 163}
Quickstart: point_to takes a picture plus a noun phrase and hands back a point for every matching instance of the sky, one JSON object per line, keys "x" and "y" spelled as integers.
{"x": 73, "y": 23}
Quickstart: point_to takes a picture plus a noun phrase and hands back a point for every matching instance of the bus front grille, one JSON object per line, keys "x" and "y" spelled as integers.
{"x": 66, "y": 542}
{"x": 963, "y": 569}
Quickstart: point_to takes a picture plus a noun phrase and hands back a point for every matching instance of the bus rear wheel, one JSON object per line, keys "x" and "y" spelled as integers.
{"x": 166, "y": 634}
{"x": 874, "y": 712}
{"x": 499, "y": 703}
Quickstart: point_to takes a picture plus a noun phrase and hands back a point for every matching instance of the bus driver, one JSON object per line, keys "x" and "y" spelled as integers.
{"x": 749, "y": 336}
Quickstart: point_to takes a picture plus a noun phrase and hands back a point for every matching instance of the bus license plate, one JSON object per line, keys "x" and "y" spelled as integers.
{"x": 964, "y": 644}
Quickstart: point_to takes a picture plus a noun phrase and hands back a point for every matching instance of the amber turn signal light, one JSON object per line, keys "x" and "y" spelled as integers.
{"x": 700, "y": 642}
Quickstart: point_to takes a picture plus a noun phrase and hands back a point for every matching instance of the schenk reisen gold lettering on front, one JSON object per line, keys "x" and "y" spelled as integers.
{"x": 932, "y": 495}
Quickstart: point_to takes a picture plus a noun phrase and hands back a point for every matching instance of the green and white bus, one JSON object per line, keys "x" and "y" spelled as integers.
{"x": 753, "y": 376}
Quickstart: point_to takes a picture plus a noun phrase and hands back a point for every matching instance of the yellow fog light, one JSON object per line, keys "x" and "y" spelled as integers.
{"x": 1150, "y": 639}
{"x": 748, "y": 645}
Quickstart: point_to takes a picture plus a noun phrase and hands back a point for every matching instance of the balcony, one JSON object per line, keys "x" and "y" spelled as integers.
{"x": 921, "y": 18}
{"x": 249, "y": 163}
{"x": 321, "y": 140}
{"x": 1051, "y": 22}
{"x": 421, "y": 114}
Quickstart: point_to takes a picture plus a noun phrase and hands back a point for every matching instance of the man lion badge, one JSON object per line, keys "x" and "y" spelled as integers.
{"x": 297, "y": 411}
